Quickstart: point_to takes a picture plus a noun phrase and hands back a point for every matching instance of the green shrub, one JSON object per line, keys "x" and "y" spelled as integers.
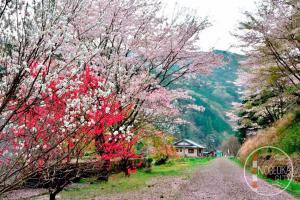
{"x": 162, "y": 160}
{"x": 170, "y": 163}
{"x": 262, "y": 121}
{"x": 290, "y": 139}
{"x": 297, "y": 114}
{"x": 88, "y": 153}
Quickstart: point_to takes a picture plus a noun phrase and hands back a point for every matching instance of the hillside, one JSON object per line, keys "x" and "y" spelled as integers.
{"x": 216, "y": 92}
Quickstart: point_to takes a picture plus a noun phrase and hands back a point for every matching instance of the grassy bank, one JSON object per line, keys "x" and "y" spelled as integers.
{"x": 90, "y": 188}
{"x": 293, "y": 188}
{"x": 283, "y": 134}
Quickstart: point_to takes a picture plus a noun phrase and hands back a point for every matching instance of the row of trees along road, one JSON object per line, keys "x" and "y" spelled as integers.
{"x": 79, "y": 72}
{"x": 271, "y": 37}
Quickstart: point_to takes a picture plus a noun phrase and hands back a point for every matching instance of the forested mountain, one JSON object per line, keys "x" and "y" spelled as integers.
{"x": 216, "y": 92}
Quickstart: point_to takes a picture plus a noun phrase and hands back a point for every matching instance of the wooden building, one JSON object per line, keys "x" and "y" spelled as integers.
{"x": 189, "y": 148}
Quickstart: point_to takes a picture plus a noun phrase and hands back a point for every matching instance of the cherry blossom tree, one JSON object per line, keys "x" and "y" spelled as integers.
{"x": 271, "y": 35}
{"x": 76, "y": 70}
{"x": 31, "y": 43}
{"x": 138, "y": 56}
{"x": 57, "y": 128}
{"x": 142, "y": 52}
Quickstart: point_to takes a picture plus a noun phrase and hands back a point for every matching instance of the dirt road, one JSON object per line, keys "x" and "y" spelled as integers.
{"x": 224, "y": 180}
{"x": 219, "y": 180}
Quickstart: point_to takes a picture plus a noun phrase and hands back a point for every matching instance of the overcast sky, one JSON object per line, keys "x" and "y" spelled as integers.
{"x": 224, "y": 16}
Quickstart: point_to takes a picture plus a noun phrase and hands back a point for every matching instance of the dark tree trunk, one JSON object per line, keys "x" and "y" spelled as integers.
{"x": 105, "y": 169}
{"x": 104, "y": 172}
{"x": 125, "y": 166}
{"x": 52, "y": 196}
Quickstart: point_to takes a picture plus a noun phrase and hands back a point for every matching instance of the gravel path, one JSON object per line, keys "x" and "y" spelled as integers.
{"x": 219, "y": 180}
{"x": 224, "y": 180}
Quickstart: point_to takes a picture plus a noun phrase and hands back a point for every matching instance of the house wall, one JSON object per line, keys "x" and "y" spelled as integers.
{"x": 185, "y": 152}
{"x": 200, "y": 152}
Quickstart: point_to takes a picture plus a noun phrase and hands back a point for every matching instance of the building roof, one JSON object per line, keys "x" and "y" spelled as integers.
{"x": 188, "y": 143}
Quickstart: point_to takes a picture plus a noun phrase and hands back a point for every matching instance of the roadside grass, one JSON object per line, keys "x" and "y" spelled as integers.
{"x": 293, "y": 188}
{"x": 236, "y": 160}
{"x": 90, "y": 188}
